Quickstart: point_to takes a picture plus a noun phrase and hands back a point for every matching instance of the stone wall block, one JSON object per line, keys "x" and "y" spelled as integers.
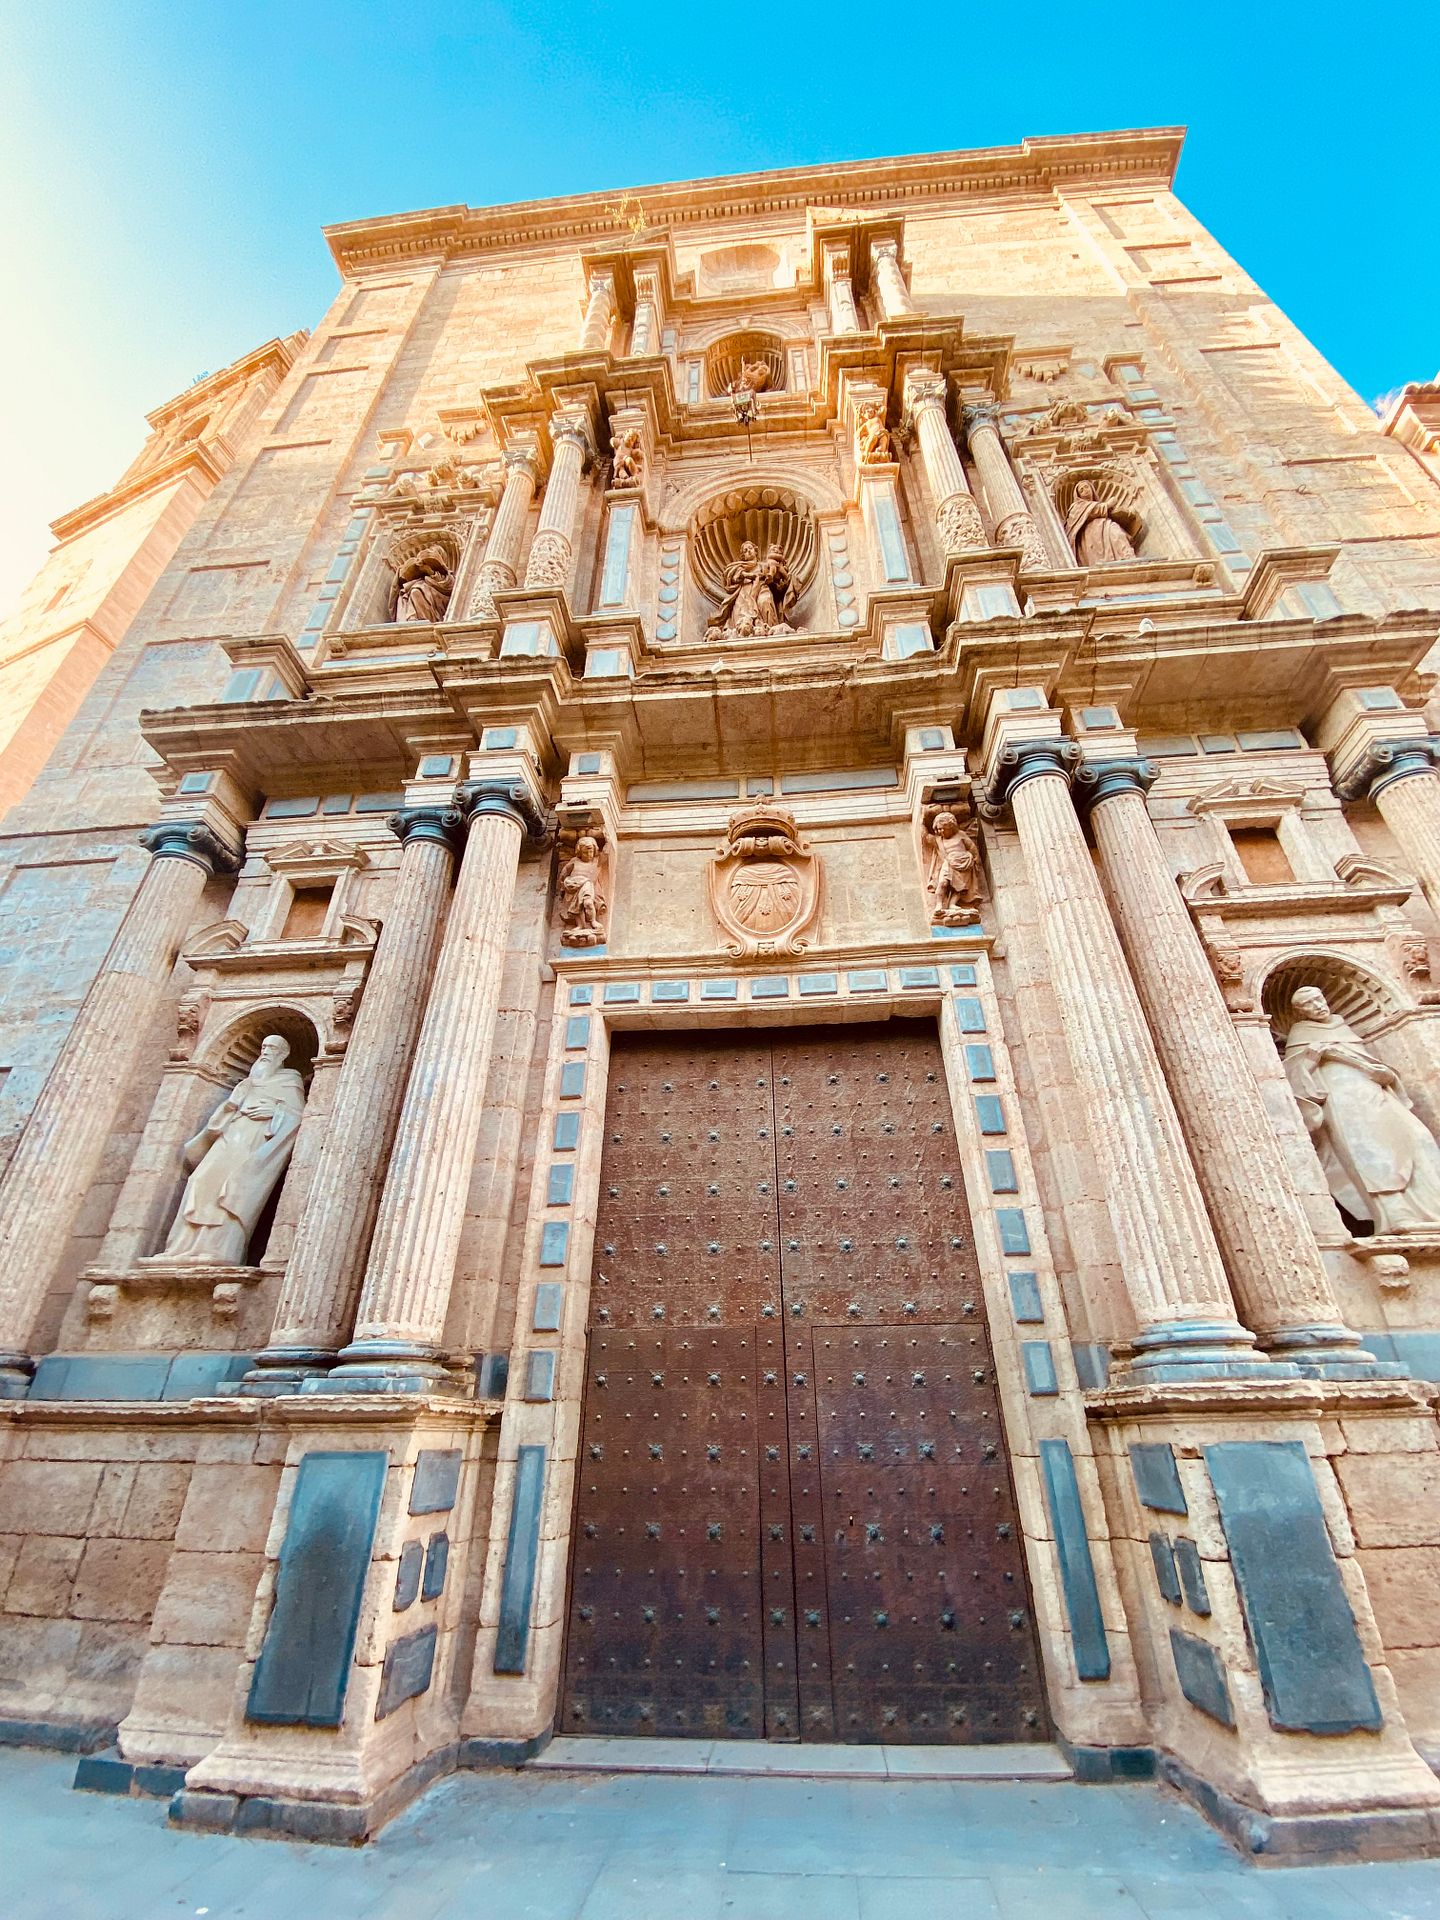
{"x": 119, "y": 1579}
{"x": 44, "y": 1576}
{"x": 1393, "y": 1500}
{"x": 228, "y": 1509}
{"x": 45, "y": 1496}
{"x": 208, "y": 1599}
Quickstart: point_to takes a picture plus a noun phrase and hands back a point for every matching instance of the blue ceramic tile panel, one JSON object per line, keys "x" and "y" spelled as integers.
{"x": 919, "y": 976}
{"x": 554, "y": 1243}
{"x": 522, "y": 1546}
{"x": 1201, "y": 1673}
{"x": 567, "y": 1132}
{"x": 962, "y": 976}
{"x": 1157, "y": 1478}
{"x": 1077, "y": 1569}
{"x": 437, "y": 1560}
{"x": 549, "y": 1300}
{"x": 979, "y": 1063}
{"x": 407, "y": 1575}
{"x": 1162, "y": 1558}
{"x": 303, "y": 1671}
{"x": 670, "y": 990}
{"x": 1000, "y": 1166}
{"x": 577, "y": 1030}
{"x": 560, "y": 1187}
{"x": 292, "y": 809}
{"x": 970, "y": 1014}
{"x": 379, "y": 802}
{"x": 1191, "y": 1569}
{"x": 1039, "y": 1368}
{"x": 1312, "y": 1669}
{"x": 336, "y": 803}
{"x": 990, "y": 1113}
{"x": 499, "y": 739}
{"x": 867, "y": 980}
{"x": 1014, "y": 1234}
{"x": 435, "y": 766}
{"x": 436, "y": 1480}
{"x": 581, "y": 996}
{"x": 720, "y": 990}
{"x": 540, "y": 1374}
{"x": 587, "y": 763}
{"x": 408, "y": 1670}
{"x": 932, "y": 740}
{"x": 621, "y": 992}
{"x": 1092, "y": 1364}
{"x": 843, "y": 780}
{"x": 101, "y": 1376}
{"x": 572, "y": 1080}
{"x": 1025, "y": 1298}
{"x": 770, "y": 987}
{"x": 812, "y": 983}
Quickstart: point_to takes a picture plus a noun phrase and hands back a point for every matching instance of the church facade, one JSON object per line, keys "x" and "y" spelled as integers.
{"x": 722, "y": 1027}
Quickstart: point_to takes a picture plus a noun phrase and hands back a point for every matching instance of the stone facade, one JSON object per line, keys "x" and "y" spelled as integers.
{"x": 937, "y": 597}
{"x": 109, "y": 553}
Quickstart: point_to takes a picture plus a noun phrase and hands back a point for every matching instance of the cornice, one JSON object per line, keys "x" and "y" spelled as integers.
{"x": 279, "y": 354}
{"x": 1143, "y": 156}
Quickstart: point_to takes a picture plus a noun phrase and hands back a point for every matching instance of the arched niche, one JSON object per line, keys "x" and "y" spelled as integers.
{"x": 764, "y": 515}
{"x": 726, "y": 358}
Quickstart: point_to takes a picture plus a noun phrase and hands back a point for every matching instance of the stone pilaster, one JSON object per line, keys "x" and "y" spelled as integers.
{"x": 957, "y": 517}
{"x": 65, "y": 1137}
{"x": 1280, "y": 1282}
{"x": 1173, "y": 1272}
{"x": 1014, "y": 526}
{"x": 839, "y": 292}
{"x": 554, "y": 542}
{"x": 313, "y": 1313}
{"x": 890, "y": 287}
{"x": 406, "y": 1291}
{"x": 645, "y": 328}
{"x": 500, "y": 567}
{"x": 599, "y": 313}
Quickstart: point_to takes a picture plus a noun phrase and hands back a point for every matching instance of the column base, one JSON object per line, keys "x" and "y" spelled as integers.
{"x": 386, "y": 1366}
{"x": 16, "y": 1372}
{"x": 285, "y": 1370}
{"x": 1199, "y": 1350}
{"x": 1326, "y": 1351}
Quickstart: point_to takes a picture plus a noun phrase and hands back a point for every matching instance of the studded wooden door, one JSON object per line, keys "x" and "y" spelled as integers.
{"x": 794, "y": 1514}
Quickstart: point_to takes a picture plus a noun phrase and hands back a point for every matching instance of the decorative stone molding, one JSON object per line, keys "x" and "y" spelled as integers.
{"x": 1386, "y": 762}
{"x": 764, "y": 884}
{"x": 1024, "y": 761}
{"x": 1098, "y": 780}
{"x": 190, "y": 840}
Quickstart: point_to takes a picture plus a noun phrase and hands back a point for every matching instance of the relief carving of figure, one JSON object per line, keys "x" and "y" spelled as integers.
{"x": 423, "y": 585}
{"x": 1380, "y": 1159}
{"x": 582, "y": 904}
{"x": 1097, "y": 537}
{"x": 237, "y": 1158}
{"x": 629, "y": 458}
{"x": 753, "y": 377}
{"x": 953, "y": 881}
{"x": 759, "y": 594}
{"x": 873, "y": 443}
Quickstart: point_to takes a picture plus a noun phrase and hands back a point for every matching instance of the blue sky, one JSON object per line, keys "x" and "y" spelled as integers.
{"x": 165, "y": 168}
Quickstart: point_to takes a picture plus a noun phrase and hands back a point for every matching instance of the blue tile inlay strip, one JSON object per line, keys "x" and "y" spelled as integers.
{"x": 919, "y": 976}
{"x": 867, "y": 980}
{"x": 962, "y": 976}
{"x": 1312, "y": 1668}
{"x": 436, "y": 1481}
{"x": 1157, "y": 1477}
{"x": 1162, "y": 1558}
{"x": 572, "y": 1080}
{"x": 522, "y": 1550}
{"x": 549, "y": 1300}
{"x": 560, "y": 1188}
{"x": 990, "y": 1113}
{"x": 720, "y": 990}
{"x": 1039, "y": 1368}
{"x": 970, "y": 1014}
{"x": 567, "y": 1132}
{"x": 770, "y": 986}
{"x": 819, "y": 983}
{"x": 1077, "y": 1569}
{"x": 540, "y": 1374}
{"x": 670, "y": 990}
{"x": 1191, "y": 1569}
{"x": 1000, "y": 1166}
{"x": 1201, "y": 1673}
{"x": 1025, "y": 1298}
{"x": 1014, "y": 1234}
{"x": 979, "y": 1063}
{"x": 554, "y": 1243}
{"x": 581, "y": 996}
{"x": 577, "y": 1030}
{"x": 621, "y": 992}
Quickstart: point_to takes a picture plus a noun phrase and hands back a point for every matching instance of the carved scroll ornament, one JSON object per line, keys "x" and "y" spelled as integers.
{"x": 764, "y": 884}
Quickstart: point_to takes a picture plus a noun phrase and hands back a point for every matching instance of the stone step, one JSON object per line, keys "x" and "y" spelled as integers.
{"x": 607, "y": 1754}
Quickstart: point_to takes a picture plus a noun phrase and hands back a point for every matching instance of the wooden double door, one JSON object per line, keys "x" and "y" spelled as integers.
{"x": 794, "y": 1513}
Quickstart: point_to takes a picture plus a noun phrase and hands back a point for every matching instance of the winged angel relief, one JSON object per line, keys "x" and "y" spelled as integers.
{"x": 764, "y": 884}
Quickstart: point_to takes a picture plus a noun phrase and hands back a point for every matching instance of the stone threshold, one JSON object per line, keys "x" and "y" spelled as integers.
{"x": 602, "y": 1753}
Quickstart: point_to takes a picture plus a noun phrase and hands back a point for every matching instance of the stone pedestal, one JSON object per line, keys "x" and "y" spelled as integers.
{"x": 1274, "y": 1264}
{"x": 406, "y": 1291}
{"x": 316, "y": 1300}
{"x": 1173, "y": 1272}
{"x": 62, "y": 1145}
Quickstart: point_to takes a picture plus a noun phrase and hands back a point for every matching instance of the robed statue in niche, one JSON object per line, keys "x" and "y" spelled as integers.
{"x": 423, "y": 585}
{"x": 237, "y": 1159}
{"x": 760, "y": 595}
{"x": 1380, "y": 1159}
{"x": 1096, "y": 535}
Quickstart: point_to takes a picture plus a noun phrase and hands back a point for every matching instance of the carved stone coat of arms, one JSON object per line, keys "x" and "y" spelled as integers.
{"x": 764, "y": 884}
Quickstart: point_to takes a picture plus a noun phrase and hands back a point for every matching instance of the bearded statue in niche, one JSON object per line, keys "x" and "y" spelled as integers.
{"x": 1380, "y": 1159}
{"x": 953, "y": 881}
{"x": 760, "y": 595}
{"x": 237, "y": 1159}
{"x": 423, "y": 585}
{"x": 1096, "y": 535}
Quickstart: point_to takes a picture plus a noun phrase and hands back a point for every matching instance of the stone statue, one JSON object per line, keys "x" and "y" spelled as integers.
{"x": 423, "y": 585}
{"x": 1096, "y": 535}
{"x": 1379, "y": 1157}
{"x": 873, "y": 444}
{"x": 238, "y": 1157}
{"x": 754, "y": 377}
{"x": 954, "y": 878}
{"x": 629, "y": 458}
{"x": 759, "y": 594}
{"x": 582, "y": 904}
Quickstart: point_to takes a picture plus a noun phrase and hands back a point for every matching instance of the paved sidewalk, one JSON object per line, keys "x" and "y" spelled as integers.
{"x": 551, "y": 1846}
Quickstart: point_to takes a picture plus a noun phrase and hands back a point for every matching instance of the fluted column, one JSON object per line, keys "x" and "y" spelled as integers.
{"x": 1014, "y": 526}
{"x": 599, "y": 313}
{"x": 1280, "y": 1282}
{"x": 894, "y": 295}
{"x": 501, "y": 566}
{"x": 839, "y": 293}
{"x": 65, "y": 1137}
{"x": 1173, "y": 1272}
{"x": 1401, "y": 778}
{"x": 554, "y": 542}
{"x": 406, "y": 1291}
{"x": 957, "y": 517}
{"x": 647, "y": 309}
{"x": 326, "y": 1261}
